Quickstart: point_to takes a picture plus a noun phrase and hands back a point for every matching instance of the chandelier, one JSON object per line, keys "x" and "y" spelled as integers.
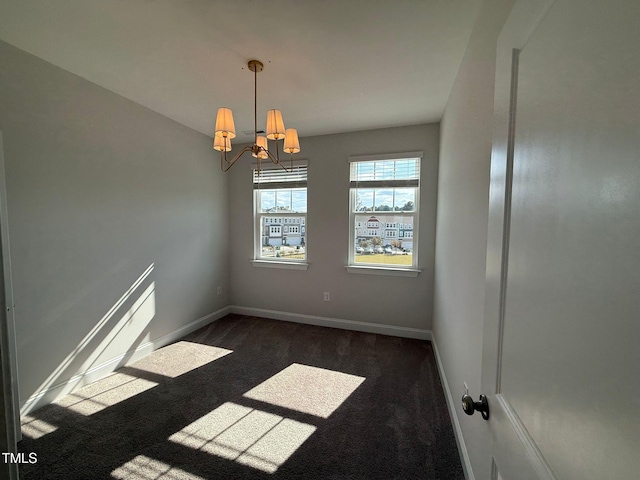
{"x": 225, "y": 131}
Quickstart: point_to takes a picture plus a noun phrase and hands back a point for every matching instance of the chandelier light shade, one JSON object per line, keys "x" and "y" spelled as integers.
{"x": 222, "y": 144}
{"x": 275, "y": 130}
{"x": 261, "y": 142}
{"x": 275, "y": 125}
{"x": 224, "y": 123}
{"x": 291, "y": 142}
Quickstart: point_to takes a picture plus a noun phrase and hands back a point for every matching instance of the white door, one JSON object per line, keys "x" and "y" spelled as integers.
{"x": 561, "y": 360}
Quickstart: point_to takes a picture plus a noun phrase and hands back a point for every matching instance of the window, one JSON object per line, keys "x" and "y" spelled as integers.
{"x": 384, "y": 211}
{"x": 281, "y": 214}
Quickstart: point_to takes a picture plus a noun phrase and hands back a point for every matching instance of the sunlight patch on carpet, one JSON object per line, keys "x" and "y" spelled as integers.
{"x": 179, "y": 358}
{"x": 105, "y": 393}
{"x": 35, "y": 428}
{"x": 258, "y": 439}
{"x": 307, "y": 389}
{"x": 145, "y": 468}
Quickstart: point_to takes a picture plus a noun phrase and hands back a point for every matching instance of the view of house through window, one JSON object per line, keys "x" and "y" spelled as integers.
{"x": 384, "y": 211}
{"x": 281, "y": 214}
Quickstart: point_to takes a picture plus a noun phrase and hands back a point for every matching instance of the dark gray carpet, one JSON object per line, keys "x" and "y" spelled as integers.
{"x": 250, "y": 398}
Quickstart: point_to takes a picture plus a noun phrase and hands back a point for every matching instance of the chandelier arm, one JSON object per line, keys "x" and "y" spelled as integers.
{"x": 276, "y": 161}
{"x": 268, "y": 152}
{"x": 233, "y": 160}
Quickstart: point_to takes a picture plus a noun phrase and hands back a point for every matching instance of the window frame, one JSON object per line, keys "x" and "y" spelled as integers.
{"x": 383, "y": 217}
{"x": 259, "y": 188}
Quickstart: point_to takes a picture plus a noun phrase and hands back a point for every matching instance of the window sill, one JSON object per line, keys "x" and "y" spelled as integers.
{"x": 392, "y": 272}
{"x": 283, "y": 265}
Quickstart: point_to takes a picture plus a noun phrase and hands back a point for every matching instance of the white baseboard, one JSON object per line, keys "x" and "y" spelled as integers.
{"x": 457, "y": 429}
{"x": 50, "y": 394}
{"x": 368, "y": 327}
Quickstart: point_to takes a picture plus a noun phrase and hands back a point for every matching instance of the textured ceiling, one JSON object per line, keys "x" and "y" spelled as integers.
{"x": 330, "y": 65}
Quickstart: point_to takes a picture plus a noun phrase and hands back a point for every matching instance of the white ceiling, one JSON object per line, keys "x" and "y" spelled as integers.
{"x": 330, "y": 65}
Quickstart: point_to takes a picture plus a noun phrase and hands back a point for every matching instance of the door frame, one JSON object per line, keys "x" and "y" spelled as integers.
{"x": 510, "y": 439}
{"x": 7, "y": 324}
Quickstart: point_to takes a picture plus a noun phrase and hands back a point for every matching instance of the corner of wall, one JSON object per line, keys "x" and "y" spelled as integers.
{"x": 461, "y": 229}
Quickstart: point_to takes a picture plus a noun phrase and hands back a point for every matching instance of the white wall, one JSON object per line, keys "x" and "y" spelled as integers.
{"x": 398, "y": 301}
{"x": 461, "y": 240}
{"x": 100, "y": 191}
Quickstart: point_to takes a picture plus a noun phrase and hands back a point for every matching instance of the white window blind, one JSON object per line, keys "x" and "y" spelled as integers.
{"x": 279, "y": 178}
{"x": 385, "y": 173}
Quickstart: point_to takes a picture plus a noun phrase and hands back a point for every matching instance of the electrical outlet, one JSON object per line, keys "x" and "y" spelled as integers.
{"x": 327, "y": 297}
{"x": 219, "y": 290}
